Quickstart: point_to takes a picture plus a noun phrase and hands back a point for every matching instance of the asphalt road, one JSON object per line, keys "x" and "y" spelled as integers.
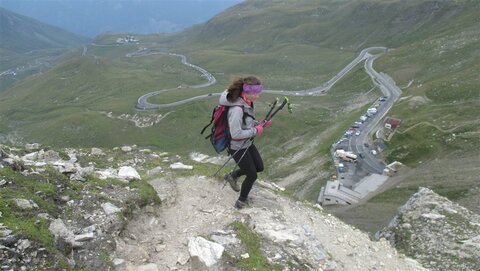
{"x": 370, "y": 163}
{"x": 142, "y": 102}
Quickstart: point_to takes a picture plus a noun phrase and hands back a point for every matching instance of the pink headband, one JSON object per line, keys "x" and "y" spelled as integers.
{"x": 252, "y": 89}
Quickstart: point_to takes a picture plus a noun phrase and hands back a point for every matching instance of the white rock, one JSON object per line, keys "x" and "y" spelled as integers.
{"x": 97, "y": 152}
{"x": 120, "y": 264}
{"x": 32, "y": 147}
{"x": 91, "y": 228}
{"x": 182, "y": 259}
{"x": 126, "y": 149}
{"x": 59, "y": 230}
{"x": 48, "y": 156}
{"x": 160, "y": 247}
{"x": 198, "y": 157}
{"x": 82, "y": 173}
{"x": 282, "y": 236}
{"x": 84, "y": 237}
{"x": 30, "y": 156}
{"x": 154, "y": 171}
{"x": 179, "y": 165}
{"x": 65, "y": 167}
{"x": 128, "y": 173}
{"x": 24, "y": 244}
{"x": 147, "y": 267}
{"x": 109, "y": 208}
{"x": 207, "y": 252}
{"x": 25, "y": 204}
{"x": 433, "y": 216}
{"x": 106, "y": 173}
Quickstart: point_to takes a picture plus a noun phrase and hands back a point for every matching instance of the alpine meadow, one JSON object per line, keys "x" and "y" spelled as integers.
{"x": 65, "y": 91}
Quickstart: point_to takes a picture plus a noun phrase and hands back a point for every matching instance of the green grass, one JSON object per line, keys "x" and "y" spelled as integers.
{"x": 377, "y": 212}
{"x": 252, "y": 243}
{"x": 422, "y": 144}
{"x": 147, "y": 194}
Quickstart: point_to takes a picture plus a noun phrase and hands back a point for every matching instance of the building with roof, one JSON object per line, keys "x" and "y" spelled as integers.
{"x": 392, "y": 123}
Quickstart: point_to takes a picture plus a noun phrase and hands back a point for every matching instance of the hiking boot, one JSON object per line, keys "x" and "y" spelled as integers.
{"x": 240, "y": 204}
{"x": 232, "y": 181}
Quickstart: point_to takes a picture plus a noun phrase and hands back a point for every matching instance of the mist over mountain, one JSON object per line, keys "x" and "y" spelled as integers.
{"x": 21, "y": 34}
{"x": 89, "y": 17}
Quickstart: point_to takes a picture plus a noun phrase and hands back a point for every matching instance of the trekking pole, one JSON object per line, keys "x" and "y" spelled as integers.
{"x": 285, "y": 102}
{"x": 228, "y": 160}
{"x": 272, "y": 106}
{"x": 236, "y": 163}
{"x": 269, "y": 116}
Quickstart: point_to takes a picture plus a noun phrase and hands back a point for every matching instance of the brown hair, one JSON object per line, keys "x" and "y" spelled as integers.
{"x": 236, "y": 87}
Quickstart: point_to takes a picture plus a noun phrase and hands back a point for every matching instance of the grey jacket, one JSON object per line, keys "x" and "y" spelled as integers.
{"x": 240, "y": 131}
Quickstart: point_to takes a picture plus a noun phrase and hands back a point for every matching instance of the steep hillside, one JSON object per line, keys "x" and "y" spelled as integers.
{"x": 292, "y": 45}
{"x": 74, "y": 210}
{"x": 352, "y": 25}
{"x": 21, "y": 34}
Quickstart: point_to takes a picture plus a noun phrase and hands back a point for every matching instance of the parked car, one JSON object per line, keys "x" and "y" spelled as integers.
{"x": 357, "y": 133}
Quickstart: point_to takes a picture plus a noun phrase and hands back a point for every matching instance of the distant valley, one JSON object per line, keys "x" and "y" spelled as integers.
{"x": 85, "y": 94}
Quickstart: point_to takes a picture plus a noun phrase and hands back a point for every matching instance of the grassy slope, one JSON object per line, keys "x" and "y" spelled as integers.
{"x": 290, "y": 46}
{"x": 439, "y": 135}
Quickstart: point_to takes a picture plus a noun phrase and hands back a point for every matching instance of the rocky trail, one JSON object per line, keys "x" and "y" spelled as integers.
{"x": 294, "y": 235}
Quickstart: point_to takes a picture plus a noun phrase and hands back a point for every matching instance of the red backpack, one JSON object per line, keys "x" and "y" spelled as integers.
{"x": 220, "y": 136}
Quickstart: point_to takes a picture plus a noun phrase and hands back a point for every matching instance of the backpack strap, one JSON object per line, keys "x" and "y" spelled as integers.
{"x": 245, "y": 115}
{"x": 206, "y": 126}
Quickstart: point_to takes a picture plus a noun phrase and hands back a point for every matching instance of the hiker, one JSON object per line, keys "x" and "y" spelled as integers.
{"x": 240, "y": 96}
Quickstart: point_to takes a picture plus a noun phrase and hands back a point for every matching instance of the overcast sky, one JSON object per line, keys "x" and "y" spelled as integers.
{"x": 92, "y": 17}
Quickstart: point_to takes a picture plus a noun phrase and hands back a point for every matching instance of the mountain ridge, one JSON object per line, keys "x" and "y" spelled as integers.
{"x": 438, "y": 74}
{"x": 21, "y": 34}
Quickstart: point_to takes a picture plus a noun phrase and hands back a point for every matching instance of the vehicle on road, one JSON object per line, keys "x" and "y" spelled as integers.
{"x": 366, "y": 145}
{"x": 357, "y": 133}
{"x": 374, "y": 152}
{"x": 346, "y": 155}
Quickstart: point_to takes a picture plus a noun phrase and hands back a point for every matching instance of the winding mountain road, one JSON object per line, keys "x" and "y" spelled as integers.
{"x": 370, "y": 163}
{"x": 142, "y": 102}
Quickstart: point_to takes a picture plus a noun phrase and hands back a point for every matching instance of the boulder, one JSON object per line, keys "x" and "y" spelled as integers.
{"x": 128, "y": 173}
{"x": 32, "y": 146}
{"x": 206, "y": 251}
{"x": 179, "y": 165}
{"x": 97, "y": 152}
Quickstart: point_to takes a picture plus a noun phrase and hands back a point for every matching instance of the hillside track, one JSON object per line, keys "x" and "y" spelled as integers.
{"x": 143, "y": 104}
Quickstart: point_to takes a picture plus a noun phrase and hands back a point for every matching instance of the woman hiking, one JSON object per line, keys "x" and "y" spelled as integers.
{"x": 240, "y": 96}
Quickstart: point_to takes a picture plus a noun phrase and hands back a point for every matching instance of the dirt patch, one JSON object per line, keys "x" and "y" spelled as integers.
{"x": 418, "y": 100}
